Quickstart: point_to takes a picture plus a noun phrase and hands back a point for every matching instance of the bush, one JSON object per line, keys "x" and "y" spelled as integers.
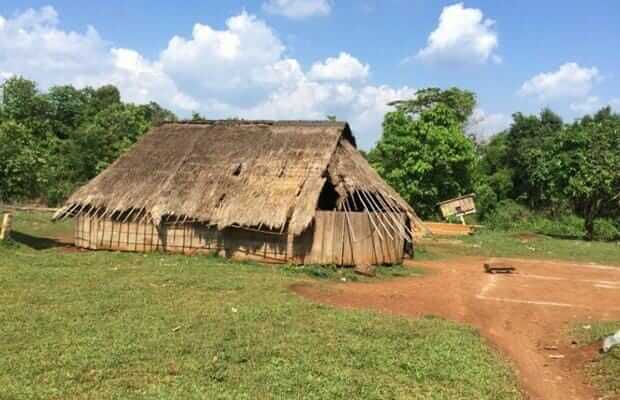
{"x": 508, "y": 215}
{"x": 511, "y": 216}
{"x": 567, "y": 226}
{"x": 486, "y": 199}
{"x": 605, "y": 229}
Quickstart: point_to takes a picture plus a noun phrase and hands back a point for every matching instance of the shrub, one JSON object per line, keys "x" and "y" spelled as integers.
{"x": 486, "y": 200}
{"x": 567, "y": 226}
{"x": 605, "y": 229}
{"x": 508, "y": 215}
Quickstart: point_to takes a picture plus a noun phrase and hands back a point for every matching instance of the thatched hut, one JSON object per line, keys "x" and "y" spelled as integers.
{"x": 277, "y": 191}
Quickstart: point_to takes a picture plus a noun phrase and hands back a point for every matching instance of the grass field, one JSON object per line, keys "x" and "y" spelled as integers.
{"x": 490, "y": 243}
{"x": 604, "y": 374}
{"x": 119, "y": 325}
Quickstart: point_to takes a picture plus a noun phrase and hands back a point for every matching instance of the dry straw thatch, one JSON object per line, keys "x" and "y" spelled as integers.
{"x": 262, "y": 174}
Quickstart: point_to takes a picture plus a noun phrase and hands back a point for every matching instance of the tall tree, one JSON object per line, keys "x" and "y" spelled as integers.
{"x": 587, "y": 160}
{"x": 530, "y": 140}
{"x": 423, "y": 152}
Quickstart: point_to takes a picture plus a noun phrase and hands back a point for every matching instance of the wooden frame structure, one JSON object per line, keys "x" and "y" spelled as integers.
{"x": 458, "y": 207}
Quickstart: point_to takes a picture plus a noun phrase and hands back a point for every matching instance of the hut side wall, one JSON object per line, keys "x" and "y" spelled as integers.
{"x": 187, "y": 238}
{"x": 349, "y": 239}
{"x": 333, "y": 238}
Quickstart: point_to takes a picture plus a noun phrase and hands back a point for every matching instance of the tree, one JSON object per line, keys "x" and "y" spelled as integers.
{"x": 461, "y": 102}
{"x": 67, "y": 109}
{"x": 112, "y": 132}
{"x": 530, "y": 141}
{"x": 21, "y": 102}
{"x": 586, "y": 167}
{"x": 51, "y": 142}
{"x": 424, "y": 153}
{"x": 23, "y": 166}
{"x": 156, "y": 114}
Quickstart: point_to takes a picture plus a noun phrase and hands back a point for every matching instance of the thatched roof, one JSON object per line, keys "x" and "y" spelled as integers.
{"x": 233, "y": 173}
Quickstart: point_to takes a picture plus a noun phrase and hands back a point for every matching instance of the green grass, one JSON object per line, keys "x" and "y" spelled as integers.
{"x": 604, "y": 374}
{"x": 488, "y": 243}
{"x": 120, "y": 326}
{"x": 331, "y": 272}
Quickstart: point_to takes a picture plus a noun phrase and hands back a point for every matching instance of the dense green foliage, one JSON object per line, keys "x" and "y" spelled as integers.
{"x": 52, "y": 142}
{"x": 423, "y": 152}
{"x": 558, "y": 169}
{"x": 564, "y": 174}
{"x": 555, "y": 178}
{"x": 179, "y": 327}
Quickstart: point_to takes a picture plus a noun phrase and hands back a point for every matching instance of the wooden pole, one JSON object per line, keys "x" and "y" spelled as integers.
{"x": 6, "y": 226}
{"x": 290, "y": 239}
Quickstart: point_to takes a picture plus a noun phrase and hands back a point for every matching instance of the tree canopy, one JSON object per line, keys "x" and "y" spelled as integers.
{"x": 52, "y": 142}
{"x": 423, "y": 152}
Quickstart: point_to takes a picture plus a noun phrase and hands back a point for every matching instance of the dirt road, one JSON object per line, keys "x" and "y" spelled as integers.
{"x": 525, "y": 315}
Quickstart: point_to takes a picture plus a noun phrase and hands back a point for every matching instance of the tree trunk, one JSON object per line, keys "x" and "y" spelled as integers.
{"x": 589, "y": 226}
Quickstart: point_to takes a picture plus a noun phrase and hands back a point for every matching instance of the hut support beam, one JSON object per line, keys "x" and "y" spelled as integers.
{"x": 290, "y": 257}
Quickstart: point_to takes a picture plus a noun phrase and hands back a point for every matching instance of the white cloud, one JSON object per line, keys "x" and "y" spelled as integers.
{"x": 342, "y": 68}
{"x": 483, "y": 125}
{"x": 569, "y": 81}
{"x": 298, "y": 8}
{"x": 238, "y": 71}
{"x": 592, "y": 104}
{"x": 33, "y": 45}
{"x": 587, "y": 106}
{"x": 462, "y": 36}
{"x": 223, "y": 59}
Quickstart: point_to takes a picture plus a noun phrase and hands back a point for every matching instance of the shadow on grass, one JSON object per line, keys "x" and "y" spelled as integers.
{"x": 37, "y": 243}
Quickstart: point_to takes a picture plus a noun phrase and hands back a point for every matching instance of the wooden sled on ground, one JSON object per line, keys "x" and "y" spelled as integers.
{"x": 492, "y": 268}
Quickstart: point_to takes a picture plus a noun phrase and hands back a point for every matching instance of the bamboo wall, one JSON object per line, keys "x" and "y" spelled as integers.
{"x": 350, "y": 239}
{"x": 188, "y": 238}
{"x": 334, "y": 238}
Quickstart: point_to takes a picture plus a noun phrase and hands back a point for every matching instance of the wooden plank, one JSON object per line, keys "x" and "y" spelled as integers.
{"x": 5, "y": 231}
{"x": 328, "y": 251}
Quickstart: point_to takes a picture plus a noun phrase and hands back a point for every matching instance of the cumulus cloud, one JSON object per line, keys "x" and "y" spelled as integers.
{"x": 483, "y": 125}
{"x": 345, "y": 67}
{"x": 298, "y": 8}
{"x": 569, "y": 81}
{"x": 592, "y": 104}
{"x": 223, "y": 59}
{"x": 32, "y": 44}
{"x": 463, "y": 35}
{"x": 240, "y": 70}
{"x": 587, "y": 106}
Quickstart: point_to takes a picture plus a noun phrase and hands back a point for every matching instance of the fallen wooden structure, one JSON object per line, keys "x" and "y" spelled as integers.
{"x": 492, "y": 268}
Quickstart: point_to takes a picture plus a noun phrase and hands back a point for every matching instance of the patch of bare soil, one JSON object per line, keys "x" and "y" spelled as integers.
{"x": 525, "y": 315}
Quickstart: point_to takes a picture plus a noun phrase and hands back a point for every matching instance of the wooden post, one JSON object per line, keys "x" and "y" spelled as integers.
{"x": 6, "y": 226}
{"x": 290, "y": 238}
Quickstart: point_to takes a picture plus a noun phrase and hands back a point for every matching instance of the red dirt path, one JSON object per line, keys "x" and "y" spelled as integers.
{"x": 525, "y": 315}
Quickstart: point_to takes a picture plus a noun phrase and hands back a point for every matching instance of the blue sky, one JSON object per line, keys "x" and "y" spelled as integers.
{"x": 309, "y": 58}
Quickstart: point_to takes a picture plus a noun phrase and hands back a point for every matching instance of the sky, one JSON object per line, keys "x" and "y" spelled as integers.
{"x": 307, "y": 59}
